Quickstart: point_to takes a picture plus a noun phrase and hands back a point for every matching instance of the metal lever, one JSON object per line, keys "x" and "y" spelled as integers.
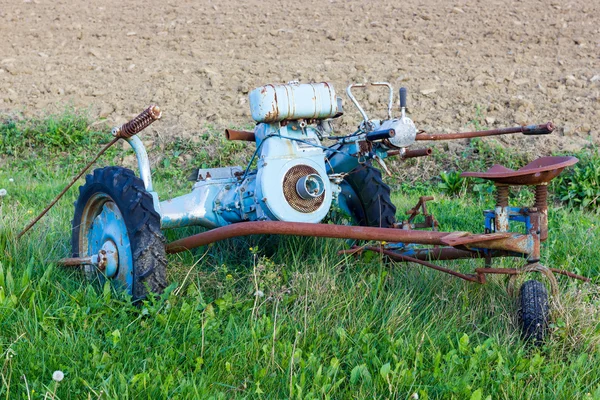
{"x": 403, "y": 93}
{"x": 364, "y": 85}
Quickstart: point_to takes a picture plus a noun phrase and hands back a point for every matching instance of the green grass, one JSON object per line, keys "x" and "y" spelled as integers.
{"x": 580, "y": 185}
{"x": 328, "y": 326}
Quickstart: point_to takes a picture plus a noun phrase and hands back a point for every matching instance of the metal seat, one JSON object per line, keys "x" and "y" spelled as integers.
{"x": 537, "y": 172}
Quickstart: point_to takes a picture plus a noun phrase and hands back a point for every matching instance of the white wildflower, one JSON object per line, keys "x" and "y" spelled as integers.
{"x": 58, "y": 376}
{"x": 259, "y": 293}
{"x": 3, "y": 192}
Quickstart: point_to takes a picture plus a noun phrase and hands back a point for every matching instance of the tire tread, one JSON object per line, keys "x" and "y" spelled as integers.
{"x": 534, "y": 310}
{"x": 374, "y": 195}
{"x": 142, "y": 221}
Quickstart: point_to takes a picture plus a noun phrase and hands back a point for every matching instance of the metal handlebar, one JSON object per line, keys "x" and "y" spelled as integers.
{"x": 364, "y": 85}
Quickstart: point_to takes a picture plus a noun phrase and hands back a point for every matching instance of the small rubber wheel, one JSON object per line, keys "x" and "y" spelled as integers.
{"x": 534, "y": 311}
{"x": 115, "y": 214}
{"x": 368, "y": 198}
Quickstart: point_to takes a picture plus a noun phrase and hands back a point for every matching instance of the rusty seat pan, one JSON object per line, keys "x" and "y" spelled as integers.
{"x": 537, "y": 172}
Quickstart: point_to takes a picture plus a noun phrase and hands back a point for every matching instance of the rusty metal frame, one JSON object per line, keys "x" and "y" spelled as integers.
{"x": 498, "y": 241}
{"x": 480, "y": 273}
{"x": 420, "y": 209}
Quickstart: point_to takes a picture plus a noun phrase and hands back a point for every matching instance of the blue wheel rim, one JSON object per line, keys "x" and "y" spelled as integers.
{"x": 103, "y": 225}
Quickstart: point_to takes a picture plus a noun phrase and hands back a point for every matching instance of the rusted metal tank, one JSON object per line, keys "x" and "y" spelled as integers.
{"x": 292, "y": 101}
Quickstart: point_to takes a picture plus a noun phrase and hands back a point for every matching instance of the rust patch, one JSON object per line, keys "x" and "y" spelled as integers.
{"x": 537, "y": 172}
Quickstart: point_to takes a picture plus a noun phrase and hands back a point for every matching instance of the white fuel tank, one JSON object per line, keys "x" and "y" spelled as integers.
{"x": 273, "y": 103}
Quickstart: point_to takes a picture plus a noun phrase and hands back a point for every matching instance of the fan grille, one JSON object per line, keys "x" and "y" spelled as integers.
{"x": 291, "y": 195}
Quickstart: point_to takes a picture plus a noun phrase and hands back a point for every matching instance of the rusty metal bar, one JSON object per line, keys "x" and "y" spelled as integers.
{"x": 410, "y": 153}
{"x": 305, "y": 229}
{"x": 451, "y": 254}
{"x": 498, "y": 271}
{"x": 436, "y": 253}
{"x": 246, "y": 136}
{"x": 516, "y": 243}
{"x": 100, "y": 260}
{"x": 417, "y": 153}
{"x": 526, "y": 130}
{"x": 83, "y": 171}
{"x": 514, "y": 271}
{"x": 75, "y": 262}
{"x": 569, "y": 274}
{"x": 541, "y": 203}
{"x": 400, "y": 257}
{"x": 446, "y": 253}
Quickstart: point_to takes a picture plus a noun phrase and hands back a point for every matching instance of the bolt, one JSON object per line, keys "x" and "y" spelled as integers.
{"x": 102, "y": 260}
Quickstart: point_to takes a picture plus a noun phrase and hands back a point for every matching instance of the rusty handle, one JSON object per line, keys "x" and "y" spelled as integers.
{"x": 543, "y": 129}
{"x": 411, "y": 153}
{"x": 417, "y": 153}
{"x": 538, "y": 129}
{"x": 246, "y": 136}
{"x": 139, "y": 123}
{"x": 380, "y": 135}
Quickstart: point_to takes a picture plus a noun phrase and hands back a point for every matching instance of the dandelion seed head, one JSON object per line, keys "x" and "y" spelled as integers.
{"x": 58, "y": 376}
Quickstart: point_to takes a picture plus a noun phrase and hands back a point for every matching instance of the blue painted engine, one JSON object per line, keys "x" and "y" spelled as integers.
{"x": 290, "y": 182}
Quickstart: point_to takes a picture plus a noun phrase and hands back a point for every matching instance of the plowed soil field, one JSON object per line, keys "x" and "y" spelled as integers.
{"x": 500, "y": 63}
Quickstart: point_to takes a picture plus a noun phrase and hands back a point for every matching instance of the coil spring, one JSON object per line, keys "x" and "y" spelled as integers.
{"x": 139, "y": 123}
{"x": 502, "y": 196}
{"x": 541, "y": 197}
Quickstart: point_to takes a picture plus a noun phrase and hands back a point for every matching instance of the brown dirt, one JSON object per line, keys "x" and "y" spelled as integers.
{"x": 502, "y": 62}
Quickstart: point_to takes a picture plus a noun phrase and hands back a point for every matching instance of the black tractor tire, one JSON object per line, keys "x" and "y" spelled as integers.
{"x": 534, "y": 311}
{"x": 147, "y": 243}
{"x": 368, "y": 197}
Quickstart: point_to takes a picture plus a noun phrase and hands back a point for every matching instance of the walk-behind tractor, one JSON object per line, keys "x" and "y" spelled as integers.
{"x": 292, "y": 182}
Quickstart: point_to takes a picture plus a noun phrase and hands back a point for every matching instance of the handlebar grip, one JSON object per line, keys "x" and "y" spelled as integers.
{"x": 402, "y": 97}
{"x": 139, "y": 123}
{"x": 382, "y": 134}
{"x": 538, "y": 129}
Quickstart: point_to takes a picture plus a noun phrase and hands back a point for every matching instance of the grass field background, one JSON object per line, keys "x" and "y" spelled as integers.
{"x": 328, "y": 326}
